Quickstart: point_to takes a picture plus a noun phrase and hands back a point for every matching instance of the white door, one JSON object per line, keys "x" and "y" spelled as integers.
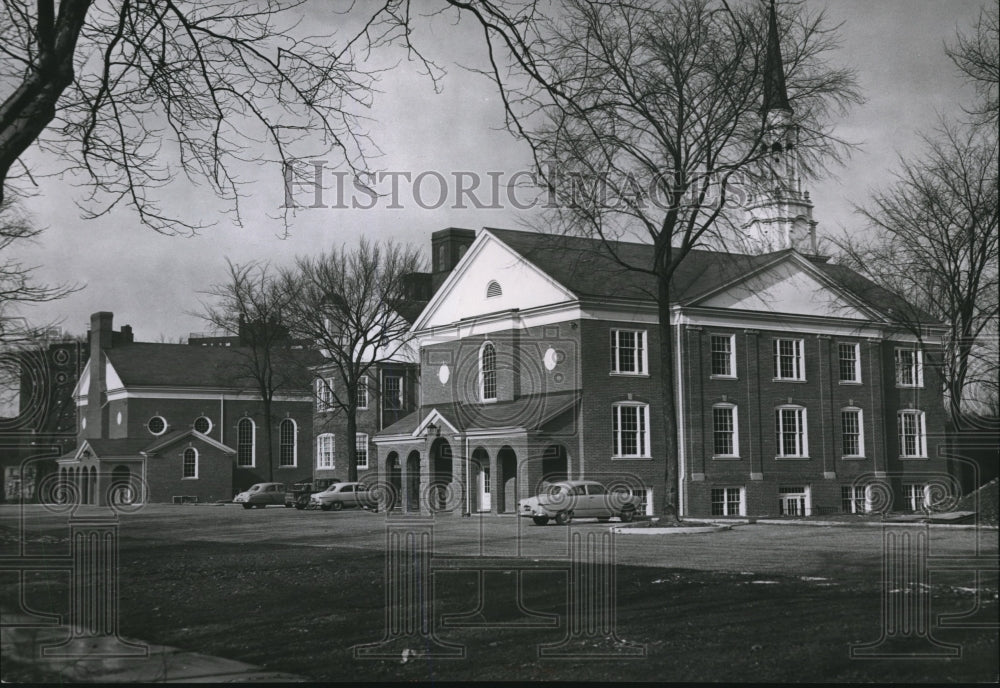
{"x": 484, "y": 488}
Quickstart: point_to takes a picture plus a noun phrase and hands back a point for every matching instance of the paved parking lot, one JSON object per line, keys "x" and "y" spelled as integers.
{"x": 803, "y": 550}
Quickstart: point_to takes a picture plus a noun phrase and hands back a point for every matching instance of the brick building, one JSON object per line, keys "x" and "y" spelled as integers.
{"x": 166, "y": 422}
{"x": 540, "y": 358}
{"x": 797, "y": 390}
{"x": 388, "y": 394}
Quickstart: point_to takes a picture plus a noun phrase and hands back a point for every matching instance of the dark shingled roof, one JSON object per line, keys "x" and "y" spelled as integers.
{"x": 585, "y": 267}
{"x": 183, "y": 365}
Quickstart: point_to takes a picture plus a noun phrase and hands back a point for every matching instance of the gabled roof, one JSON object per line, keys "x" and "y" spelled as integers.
{"x": 105, "y": 448}
{"x": 183, "y": 365}
{"x": 178, "y": 435}
{"x": 529, "y": 412}
{"x": 586, "y": 267}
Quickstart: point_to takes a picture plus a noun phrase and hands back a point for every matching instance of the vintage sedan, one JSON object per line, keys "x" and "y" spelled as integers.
{"x": 297, "y": 495}
{"x": 568, "y": 499}
{"x": 260, "y": 495}
{"x": 343, "y": 496}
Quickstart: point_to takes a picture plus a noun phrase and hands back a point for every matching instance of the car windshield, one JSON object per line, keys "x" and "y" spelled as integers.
{"x": 556, "y": 490}
{"x": 256, "y": 488}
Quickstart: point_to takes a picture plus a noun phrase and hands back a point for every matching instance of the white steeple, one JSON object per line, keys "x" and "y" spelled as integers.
{"x": 779, "y": 212}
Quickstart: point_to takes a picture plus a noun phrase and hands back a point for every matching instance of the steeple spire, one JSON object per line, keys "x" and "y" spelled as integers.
{"x": 775, "y": 95}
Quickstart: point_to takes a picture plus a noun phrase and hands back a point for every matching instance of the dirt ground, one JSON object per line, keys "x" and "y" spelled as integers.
{"x": 298, "y": 591}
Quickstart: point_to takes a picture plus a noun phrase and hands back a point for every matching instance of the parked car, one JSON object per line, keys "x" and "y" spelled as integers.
{"x": 342, "y": 496}
{"x": 261, "y": 494}
{"x": 297, "y": 495}
{"x": 569, "y": 499}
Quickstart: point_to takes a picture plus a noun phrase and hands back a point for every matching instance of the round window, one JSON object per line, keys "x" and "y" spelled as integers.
{"x": 203, "y": 425}
{"x": 156, "y": 425}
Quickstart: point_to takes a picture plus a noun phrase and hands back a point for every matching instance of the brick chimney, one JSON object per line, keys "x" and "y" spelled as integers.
{"x": 101, "y": 338}
{"x": 448, "y": 246}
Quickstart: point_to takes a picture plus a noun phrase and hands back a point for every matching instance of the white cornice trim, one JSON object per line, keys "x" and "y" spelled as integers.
{"x": 197, "y": 393}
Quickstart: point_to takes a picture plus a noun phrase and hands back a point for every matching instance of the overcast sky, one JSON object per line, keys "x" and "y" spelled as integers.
{"x": 152, "y": 281}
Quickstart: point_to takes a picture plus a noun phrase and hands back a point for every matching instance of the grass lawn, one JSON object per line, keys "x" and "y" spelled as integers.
{"x": 301, "y": 610}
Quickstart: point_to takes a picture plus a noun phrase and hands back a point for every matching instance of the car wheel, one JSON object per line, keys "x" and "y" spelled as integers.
{"x": 301, "y": 504}
{"x": 627, "y": 515}
{"x": 247, "y": 506}
{"x": 261, "y": 506}
{"x": 540, "y": 520}
{"x": 564, "y": 517}
{"x": 337, "y": 506}
{"x": 324, "y": 507}
{"x": 287, "y": 505}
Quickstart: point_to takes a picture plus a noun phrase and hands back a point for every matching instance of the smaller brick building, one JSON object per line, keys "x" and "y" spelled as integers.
{"x": 174, "y": 422}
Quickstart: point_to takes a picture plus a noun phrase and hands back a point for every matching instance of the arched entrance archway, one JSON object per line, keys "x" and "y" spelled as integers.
{"x": 413, "y": 481}
{"x": 121, "y": 485}
{"x": 482, "y": 489}
{"x": 555, "y": 463}
{"x": 441, "y": 473}
{"x": 392, "y": 468}
{"x": 507, "y": 466}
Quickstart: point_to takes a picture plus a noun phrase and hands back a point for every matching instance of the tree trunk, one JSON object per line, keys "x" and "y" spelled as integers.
{"x": 26, "y": 113}
{"x": 352, "y": 434}
{"x": 669, "y": 509}
{"x": 269, "y": 437}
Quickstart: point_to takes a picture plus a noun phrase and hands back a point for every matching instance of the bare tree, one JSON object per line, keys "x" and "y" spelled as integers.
{"x": 652, "y": 112}
{"x": 978, "y": 58}
{"x": 252, "y": 305}
{"x": 933, "y": 239}
{"x": 17, "y": 285}
{"x": 344, "y": 302}
{"x": 134, "y": 93}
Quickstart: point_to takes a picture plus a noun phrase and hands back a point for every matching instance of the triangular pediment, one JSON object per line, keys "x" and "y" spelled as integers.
{"x": 791, "y": 286}
{"x": 491, "y": 278}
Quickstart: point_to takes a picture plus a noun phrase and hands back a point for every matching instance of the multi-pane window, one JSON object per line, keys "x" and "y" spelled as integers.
{"x": 852, "y": 432}
{"x": 488, "y": 372}
{"x": 392, "y": 392}
{"x": 850, "y": 362}
{"x": 909, "y": 368}
{"x": 630, "y": 429}
{"x": 361, "y": 445}
{"x": 723, "y": 355}
{"x": 286, "y": 443}
{"x": 790, "y": 431}
{"x": 362, "y": 394}
{"x": 203, "y": 425}
{"x": 324, "y": 394}
{"x": 789, "y": 359}
{"x": 325, "y": 451}
{"x": 915, "y": 497}
{"x": 794, "y": 501}
{"x": 724, "y": 441}
{"x": 852, "y": 499}
{"x": 245, "y": 442}
{"x": 190, "y": 463}
{"x": 727, "y": 501}
{"x": 912, "y": 434}
{"x": 628, "y": 352}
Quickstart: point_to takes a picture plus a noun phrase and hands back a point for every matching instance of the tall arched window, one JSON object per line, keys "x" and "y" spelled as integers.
{"x": 246, "y": 436}
{"x": 190, "y": 463}
{"x": 488, "y": 372}
{"x": 286, "y": 443}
